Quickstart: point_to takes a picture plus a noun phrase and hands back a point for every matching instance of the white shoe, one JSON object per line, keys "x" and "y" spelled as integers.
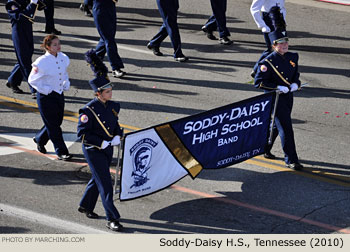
{"x": 118, "y": 73}
{"x": 181, "y": 59}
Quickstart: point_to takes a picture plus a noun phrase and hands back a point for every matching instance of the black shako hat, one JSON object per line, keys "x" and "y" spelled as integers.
{"x": 101, "y": 81}
{"x": 278, "y": 37}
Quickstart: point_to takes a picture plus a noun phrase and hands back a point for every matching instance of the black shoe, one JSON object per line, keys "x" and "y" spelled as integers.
{"x": 181, "y": 58}
{"x": 41, "y": 148}
{"x": 53, "y": 31}
{"x": 269, "y": 155}
{"x": 208, "y": 33}
{"x": 155, "y": 49}
{"x": 252, "y": 74}
{"x": 64, "y": 157}
{"x": 89, "y": 214}
{"x": 295, "y": 166}
{"x": 225, "y": 41}
{"x": 87, "y": 13}
{"x": 118, "y": 73}
{"x": 114, "y": 225}
{"x": 85, "y": 8}
{"x": 15, "y": 89}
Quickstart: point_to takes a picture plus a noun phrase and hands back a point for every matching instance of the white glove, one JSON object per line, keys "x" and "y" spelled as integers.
{"x": 293, "y": 87}
{"x": 265, "y": 29}
{"x": 115, "y": 140}
{"x": 34, "y": 1}
{"x": 283, "y": 89}
{"x": 66, "y": 85}
{"x": 105, "y": 144}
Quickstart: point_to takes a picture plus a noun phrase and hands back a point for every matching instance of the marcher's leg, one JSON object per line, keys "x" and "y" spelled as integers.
{"x": 209, "y": 27}
{"x": 90, "y": 196}
{"x": 99, "y": 162}
{"x": 159, "y": 37}
{"x": 219, "y": 11}
{"x": 106, "y": 27}
{"x": 283, "y": 122}
{"x": 211, "y": 24}
{"x": 49, "y": 17}
{"x": 15, "y": 79}
{"x": 168, "y": 11}
{"x": 51, "y": 109}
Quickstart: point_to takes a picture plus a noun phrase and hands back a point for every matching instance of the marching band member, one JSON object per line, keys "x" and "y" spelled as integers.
{"x": 105, "y": 16}
{"x": 218, "y": 20}
{"x": 49, "y": 11}
{"x": 168, "y": 11}
{"x": 269, "y": 15}
{"x": 49, "y": 77}
{"x": 21, "y": 13}
{"x": 99, "y": 131}
{"x": 279, "y": 71}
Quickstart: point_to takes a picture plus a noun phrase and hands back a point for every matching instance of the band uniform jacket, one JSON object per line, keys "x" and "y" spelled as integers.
{"x": 98, "y": 122}
{"x": 21, "y": 12}
{"x": 277, "y": 70}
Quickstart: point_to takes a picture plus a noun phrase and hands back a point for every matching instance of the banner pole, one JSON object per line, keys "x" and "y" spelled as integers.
{"x": 273, "y": 116}
{"x": 116, "y": 188}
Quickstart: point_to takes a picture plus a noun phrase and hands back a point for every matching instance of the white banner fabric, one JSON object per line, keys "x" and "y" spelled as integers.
{"x": 148, "y": 166}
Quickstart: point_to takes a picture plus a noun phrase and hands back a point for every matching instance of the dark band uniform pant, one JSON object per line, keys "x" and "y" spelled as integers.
{"x": 51, "y": 109}
{"x": 283, "y": 122}
{"x": 168, "y": 11}
{"x": 101, "y": 182}
{"x": 106, "y": 24}
{"x": 218, "y": 19}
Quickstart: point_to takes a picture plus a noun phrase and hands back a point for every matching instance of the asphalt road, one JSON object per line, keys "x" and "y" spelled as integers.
{"x": 40, "y": 194}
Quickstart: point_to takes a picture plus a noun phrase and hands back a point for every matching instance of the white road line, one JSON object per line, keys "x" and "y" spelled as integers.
{"x": 25, "y": 140}
{"x": 118, "y": 45}
{"x": 48, "y": 220}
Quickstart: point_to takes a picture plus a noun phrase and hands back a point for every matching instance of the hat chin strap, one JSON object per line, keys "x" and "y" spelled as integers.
{"x": 108, "y": 85}
{"x": 281, "y": 40}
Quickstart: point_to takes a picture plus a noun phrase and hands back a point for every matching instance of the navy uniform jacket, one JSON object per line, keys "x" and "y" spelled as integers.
{"x": 21, "y": 12}
{"x": 98, "y": 122}
{"x": 275, "y": 66}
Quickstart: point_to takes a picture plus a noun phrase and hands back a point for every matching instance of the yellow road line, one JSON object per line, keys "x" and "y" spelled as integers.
{"x": 33, "y": 107}
{"x": 316, "y": 172}
{"x": 277, "y": 165}
{"x": 309, "y": 174}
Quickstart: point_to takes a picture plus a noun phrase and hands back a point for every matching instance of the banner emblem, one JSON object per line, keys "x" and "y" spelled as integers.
{"x": 141, "y": 154}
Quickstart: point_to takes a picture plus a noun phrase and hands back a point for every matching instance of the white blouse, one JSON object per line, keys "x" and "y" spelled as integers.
{"x": 259, "y": 6}
{"x": 49, "y": 73}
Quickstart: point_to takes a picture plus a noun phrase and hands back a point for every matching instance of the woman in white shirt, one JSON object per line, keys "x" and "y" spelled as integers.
{"x": 49, "y": 77}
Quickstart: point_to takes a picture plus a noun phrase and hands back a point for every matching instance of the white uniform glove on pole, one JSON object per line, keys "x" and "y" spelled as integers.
{"x": 293, "y": 87}
{"x": 115, "y": 140}
{"x": 283, "y": 89}
{"x": 105, "y": 144}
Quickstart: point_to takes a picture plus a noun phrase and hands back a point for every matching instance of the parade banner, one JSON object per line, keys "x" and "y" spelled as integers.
{"x": 157, "y": 157}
